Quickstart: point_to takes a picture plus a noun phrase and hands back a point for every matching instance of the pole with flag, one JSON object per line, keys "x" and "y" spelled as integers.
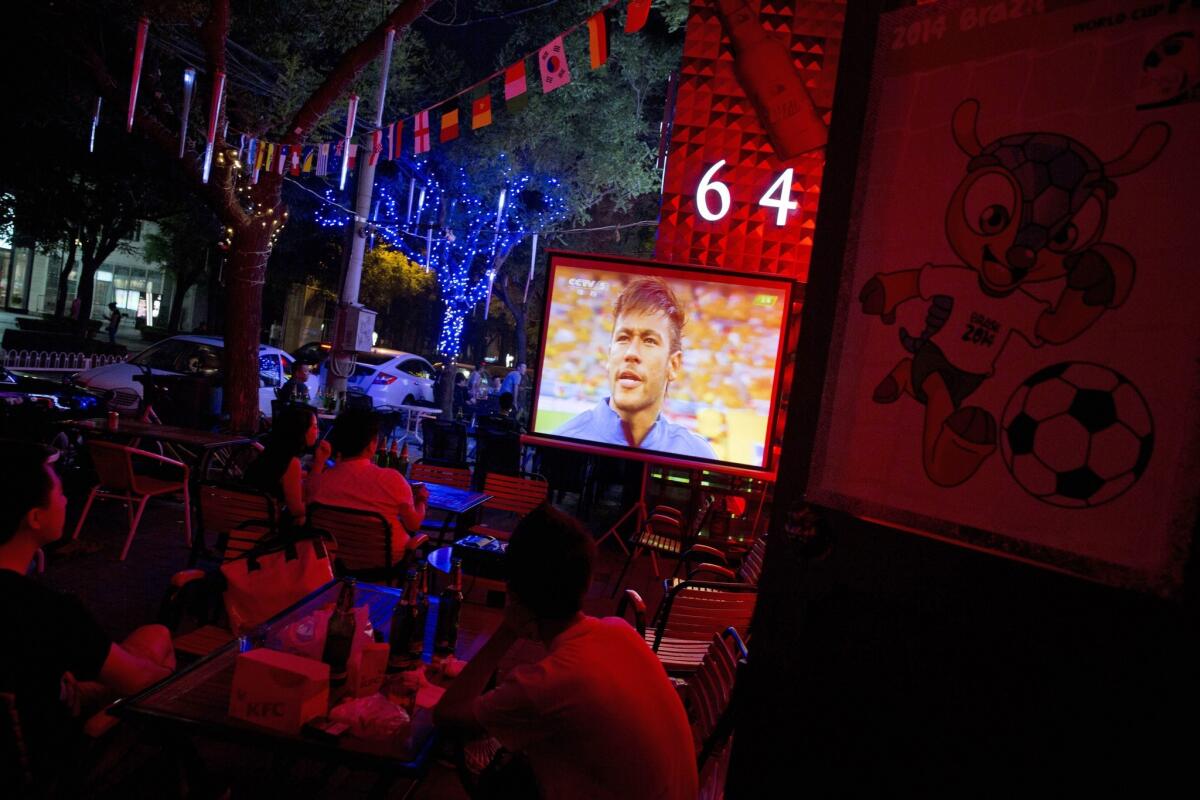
{"x": 342, "y": 360}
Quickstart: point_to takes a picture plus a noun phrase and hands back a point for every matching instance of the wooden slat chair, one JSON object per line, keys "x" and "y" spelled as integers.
{"x": 708, "y": 563}
{"x": 237, "y": 514}
{"x": 362, "y": 542}
{"x": 706, "y": 695}
{"x": 664, "y": 533}
{"x": 512, "y": 498}
{"x": 114, "y": 465}
{"x": 690, "y": 613}
{"x": 458, "y": 477}
{"x": 240, "y": 516}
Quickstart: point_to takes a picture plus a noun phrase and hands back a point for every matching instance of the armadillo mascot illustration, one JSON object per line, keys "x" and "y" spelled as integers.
{"x": 1032, "y": 208}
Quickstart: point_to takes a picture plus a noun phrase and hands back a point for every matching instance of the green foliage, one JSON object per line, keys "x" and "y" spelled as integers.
{"x": 389, "y": 275}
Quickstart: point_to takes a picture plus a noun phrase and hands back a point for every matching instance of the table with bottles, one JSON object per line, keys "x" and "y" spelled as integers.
{"x": 197, "y": 699}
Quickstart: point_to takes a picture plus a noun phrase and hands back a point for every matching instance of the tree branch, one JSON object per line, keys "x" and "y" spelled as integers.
{"x": 219, "y": 192}
{"x": 353, "y": 61}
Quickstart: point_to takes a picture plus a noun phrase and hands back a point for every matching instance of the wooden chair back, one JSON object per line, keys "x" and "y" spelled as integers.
{"x": 690, "y": 613}
{"x": 362, "y": 540}
{"x": 458, "y": 477}
{"x": 709, "y": 690}
{"x": 239, "y": 515}
{"x": 750, "y": 570}
{"x": 514, "y": 493}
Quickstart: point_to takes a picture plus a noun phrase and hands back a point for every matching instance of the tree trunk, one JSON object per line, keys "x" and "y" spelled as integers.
{"x": 245, "y": 273}
{"x": 177, "y": 305}
{"x": 87, "y": 289}
{"x": 60, "y": 303}
{"x": 517, "y": 309}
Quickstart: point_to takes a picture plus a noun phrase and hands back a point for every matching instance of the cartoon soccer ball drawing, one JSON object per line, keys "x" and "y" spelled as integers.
{"x": 1077, "y": 434}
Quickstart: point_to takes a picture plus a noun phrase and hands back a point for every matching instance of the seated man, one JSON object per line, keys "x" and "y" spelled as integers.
{"x": 597, "y": 716}
{"x": 53, "y": 647}
{"x": 296, "y": 388}
{"x": 356, "y": 482}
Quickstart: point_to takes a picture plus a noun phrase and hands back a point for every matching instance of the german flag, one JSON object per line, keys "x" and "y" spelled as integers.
{"x": 481, "y": 107}
{"x": 449, "y": 130}
{"x": 598, "y": 39}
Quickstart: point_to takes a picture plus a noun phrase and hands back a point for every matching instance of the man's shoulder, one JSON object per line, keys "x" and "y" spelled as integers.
{"x": 581, "y": 423}
{"x": 38, "y": 600}
{"x": 682, "y": 441}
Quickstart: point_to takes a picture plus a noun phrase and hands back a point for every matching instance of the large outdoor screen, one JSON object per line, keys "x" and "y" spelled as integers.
{"x": 658, "y": 362}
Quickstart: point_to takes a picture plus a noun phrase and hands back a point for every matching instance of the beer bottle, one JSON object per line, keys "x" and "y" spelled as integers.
{"x": 402, "y": 462}
{"x": 393, "y": 455}
{"x": 404, "y": 624}
{"x": 766, "y": 73}
{"x": 449, "y": 605}
{"x": 339, "y": 635}
{"x": 416, "y": 645}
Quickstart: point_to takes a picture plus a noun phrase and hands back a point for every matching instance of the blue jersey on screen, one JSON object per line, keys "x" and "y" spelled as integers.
{"x": 601, "y": 425}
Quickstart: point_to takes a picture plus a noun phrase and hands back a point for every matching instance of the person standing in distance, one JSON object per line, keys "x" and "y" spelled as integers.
{"x": 645, "y": 354}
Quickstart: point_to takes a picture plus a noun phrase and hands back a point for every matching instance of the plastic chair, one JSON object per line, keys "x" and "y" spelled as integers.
{"x": 444, "y": 442}
{"x": 114, "y": 465}
{"x": 690, "y": 613}
{"x": 362, "y": 542}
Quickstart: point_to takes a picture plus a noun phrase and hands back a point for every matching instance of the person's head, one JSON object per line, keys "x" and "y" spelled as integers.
{"x": 496, "y": 382}
{"x": 506, "y": 402}
{"x": 522, "y": 368}
{"x": 460, "y": 380}
{"x": 32, "y": 502}
{"x": 300, "y": 371}
{"x": 294, "y": 430}
{"x": 112, "y": 306}
{"x": 646, "y": 350}
{"x": 355, "y": 433}
{"x": 549, "y": 562}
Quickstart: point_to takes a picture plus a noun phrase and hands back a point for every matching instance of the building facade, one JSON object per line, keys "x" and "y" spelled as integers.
{"x": 142, "y": 291}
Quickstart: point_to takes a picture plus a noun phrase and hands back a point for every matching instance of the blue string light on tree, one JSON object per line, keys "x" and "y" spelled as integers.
{"x": 457, "y": 231}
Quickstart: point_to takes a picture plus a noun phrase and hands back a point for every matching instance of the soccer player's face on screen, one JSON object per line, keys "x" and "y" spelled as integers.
{"x": 640, "y": 361}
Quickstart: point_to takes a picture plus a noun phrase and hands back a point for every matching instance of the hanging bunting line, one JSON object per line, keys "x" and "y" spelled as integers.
{"x": 384, "y": 143}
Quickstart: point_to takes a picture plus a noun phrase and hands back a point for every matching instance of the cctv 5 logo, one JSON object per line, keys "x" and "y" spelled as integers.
{"x": 585, "y": 283}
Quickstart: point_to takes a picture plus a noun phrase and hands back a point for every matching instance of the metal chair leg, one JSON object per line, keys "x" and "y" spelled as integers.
{"x": 86, "y": 508}
{"x": 137, "y": 518}
{"x": 187, "y": 515}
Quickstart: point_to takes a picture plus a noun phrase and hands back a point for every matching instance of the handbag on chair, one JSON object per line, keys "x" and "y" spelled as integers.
{"x": 272, "y": 576}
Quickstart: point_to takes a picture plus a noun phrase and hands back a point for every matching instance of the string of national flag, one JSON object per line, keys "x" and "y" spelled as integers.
{"x": 325, "y": 158}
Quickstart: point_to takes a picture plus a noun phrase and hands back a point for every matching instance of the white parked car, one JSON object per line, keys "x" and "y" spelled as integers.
{"x": 393, "y": 378}
{"x": 183, "y": 355}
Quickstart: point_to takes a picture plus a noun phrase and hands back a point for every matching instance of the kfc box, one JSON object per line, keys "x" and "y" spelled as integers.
{"x": 278, "y": 690}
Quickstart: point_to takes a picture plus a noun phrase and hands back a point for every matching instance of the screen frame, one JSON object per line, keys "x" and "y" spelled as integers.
{"x": 638, "y": 266}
